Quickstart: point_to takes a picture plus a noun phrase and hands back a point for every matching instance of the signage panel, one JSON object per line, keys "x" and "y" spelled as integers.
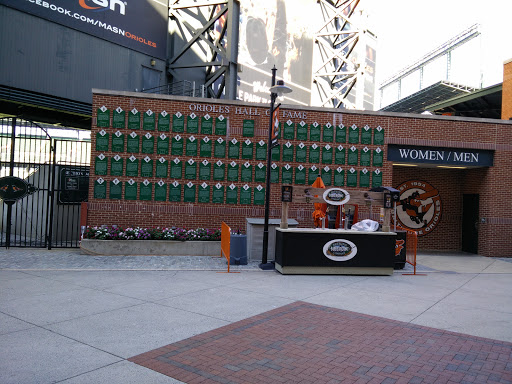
{"x": 440, "y": 155}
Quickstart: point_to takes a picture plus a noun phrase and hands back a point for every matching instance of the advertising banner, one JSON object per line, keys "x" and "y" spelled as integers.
{"x": 140, "y": 25}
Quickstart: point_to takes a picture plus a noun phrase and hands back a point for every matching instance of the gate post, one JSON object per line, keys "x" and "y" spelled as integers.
{"x": 11, "y": 173}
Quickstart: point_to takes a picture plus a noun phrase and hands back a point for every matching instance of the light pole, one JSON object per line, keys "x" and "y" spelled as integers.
{"x": 275, "y": 91}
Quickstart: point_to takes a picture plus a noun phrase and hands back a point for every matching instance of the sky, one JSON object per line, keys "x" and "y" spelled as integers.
{"x": 408, "y": 29}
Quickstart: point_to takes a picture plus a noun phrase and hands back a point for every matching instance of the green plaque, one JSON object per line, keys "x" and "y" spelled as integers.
{"x": 341, "y": 134}
{"x": 176, "y": 169}
{"x": 353, "y": 134}
{"x": 352, "y": 156}
{"x": 132, "y": 166}
{"x": 148, "y": 143}
{"x": 259, "y": 195}
{"x": 189, "y": 195}
{"x": 328, "y": 133}
{"x": 219, "y": 149}
{"x": 312, "y": 174}
{"x": 300, "y": 153}
{"x": 100, "y": 165}
{"x": 302, "y": 131}
{"x": 162, "y": 144}
{"x": 234, "y": 149}
{"x": 233, "y": 171}
{"x": 314, "y": 132}
{"x": 300, "y": 175}
{"x": 118, "y": 142}
{"x": 327, "y": 154}
{"x": 116, "y": 190}
{"x": 339, "y": 155}
{"x": 221, "y": 126}
{"x": 205, "y": 149}
{"x": 365, "y": 156}
{"x": 232, "y": 194}
{"x": 190, "y": 170}
{"x": 178, "y": 122}
{"x": 162, "y": 165}
{"x": 247, "y": 149}
{"x": 261, "y": 150}
{"x": 116, "y": 166}
{"x": 130, "y": 190}
{"x": 205, "y": 170}
{"x": 132, "y": 143}
{"x": 288, "y": 151}
{"x": 192, "y": 123}
{"x": 175, "y": 191}
{"x": 248, "y": 128}
{"x": 146, "y": 167}
{"x": 274, "y": 173}
{"x": 148, "y": 120}
{"x": 203, "y": 195}
{"x": 260, "y": 173}
{"x": 378, "y": 157}
{"x": 314, "y": 154}
{"x": 177, "y": 146}
{"x": 103, "y": 117}
{"x": 352, "y": 178}
{"x": 327, "y": 176}
{"x": 339, "y": 177}
{"x": 219, "y": 170}
{"x": 100, "y": 189}
{"x": 218, "y": 194}
{"x": 364, "y": 178}
{"x": 134, "y": 119}
{"x": 245, "y": 195}
{"x": 287, "y": 174}
{"x": 119, "y": 118}
{"x": 276, "y": 153}
{"x": 366, "y": 135}
{"x": 289, "y": 130}
{"x": 376, "y": 178}
{"x": 246, "y": 173}
{"x": 146, "y": 190}
{"x": 206, "y": 125}
{"x": 164, "y": 121}
{"x": 191, "y": 147}
{"x": 102, "y": 141}
{"x": 378, "y": 136}
{"x": 160, "y": 191}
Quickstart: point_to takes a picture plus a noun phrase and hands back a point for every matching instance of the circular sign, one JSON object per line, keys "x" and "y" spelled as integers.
{"x": 419, "y": 208}
{"x": 340, "y": 250}
{"x": 336, "y": 196}
{"x": 13, "y": 188}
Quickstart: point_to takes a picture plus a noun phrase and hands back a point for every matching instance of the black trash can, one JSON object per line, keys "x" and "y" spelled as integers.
{"x": 400, "y": 249}
{"x": 238, "y": 250}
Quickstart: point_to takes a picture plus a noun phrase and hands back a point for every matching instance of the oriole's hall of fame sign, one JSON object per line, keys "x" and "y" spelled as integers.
{"x": 420, "y": 207}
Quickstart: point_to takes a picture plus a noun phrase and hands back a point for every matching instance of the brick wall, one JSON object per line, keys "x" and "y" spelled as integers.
{"x": 490, "y": 183}
{"x": 506, "y": 104}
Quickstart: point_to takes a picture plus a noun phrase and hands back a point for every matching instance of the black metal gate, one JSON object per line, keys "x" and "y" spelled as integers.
{"x": 57, "y": 168}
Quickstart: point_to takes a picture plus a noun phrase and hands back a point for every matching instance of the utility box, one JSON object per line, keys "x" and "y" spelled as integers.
{"x": 255, "y": 236}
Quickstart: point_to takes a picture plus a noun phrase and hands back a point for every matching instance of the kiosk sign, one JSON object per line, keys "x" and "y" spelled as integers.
{"x": 336, "y": 196}
{"x": 340, "y": 250}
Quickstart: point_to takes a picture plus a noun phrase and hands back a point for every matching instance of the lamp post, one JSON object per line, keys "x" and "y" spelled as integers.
{"x": 275, "y": 91}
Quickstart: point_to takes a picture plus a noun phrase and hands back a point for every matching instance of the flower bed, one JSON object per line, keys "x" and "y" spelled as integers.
{"x": 115, "y": 240}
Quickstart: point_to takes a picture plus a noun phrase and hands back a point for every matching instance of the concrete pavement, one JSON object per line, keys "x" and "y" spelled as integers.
{"x": 72, "y": 318}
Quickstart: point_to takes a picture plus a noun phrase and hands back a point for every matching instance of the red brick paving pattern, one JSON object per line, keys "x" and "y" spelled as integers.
{"x": 306, "y": 343}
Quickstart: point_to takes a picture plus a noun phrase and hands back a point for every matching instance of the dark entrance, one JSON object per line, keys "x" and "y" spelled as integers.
{"x": 57, "y": 172}
{"x": 470, "y": 219}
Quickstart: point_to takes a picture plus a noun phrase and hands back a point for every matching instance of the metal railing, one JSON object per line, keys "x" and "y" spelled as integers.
{"x": 179, "y": 88}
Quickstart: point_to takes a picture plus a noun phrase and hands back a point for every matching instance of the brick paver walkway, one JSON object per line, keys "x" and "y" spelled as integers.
{"x": 307, "y": 343}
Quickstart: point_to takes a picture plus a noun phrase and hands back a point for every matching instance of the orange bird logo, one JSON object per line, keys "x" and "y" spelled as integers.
{"x": 399, "y": 245}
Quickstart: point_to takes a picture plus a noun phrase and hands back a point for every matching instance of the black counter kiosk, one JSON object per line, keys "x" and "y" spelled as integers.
{"x": 334, "y": 251}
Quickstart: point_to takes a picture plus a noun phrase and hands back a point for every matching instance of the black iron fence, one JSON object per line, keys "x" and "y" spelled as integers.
{"x": 55, "y": 172}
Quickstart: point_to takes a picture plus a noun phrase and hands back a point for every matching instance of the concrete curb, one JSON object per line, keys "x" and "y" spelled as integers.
{"x": 149, "y": 247}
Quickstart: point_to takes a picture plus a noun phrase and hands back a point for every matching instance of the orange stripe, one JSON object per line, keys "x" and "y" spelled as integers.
{"x": 83, "y": 5}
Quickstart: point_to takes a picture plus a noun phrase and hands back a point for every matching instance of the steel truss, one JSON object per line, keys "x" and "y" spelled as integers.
{"x": 341, "y": 69}
{"x": 209, "y": 29}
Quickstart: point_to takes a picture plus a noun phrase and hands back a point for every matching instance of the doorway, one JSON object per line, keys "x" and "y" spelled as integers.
{"x": 470, "y": 220}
